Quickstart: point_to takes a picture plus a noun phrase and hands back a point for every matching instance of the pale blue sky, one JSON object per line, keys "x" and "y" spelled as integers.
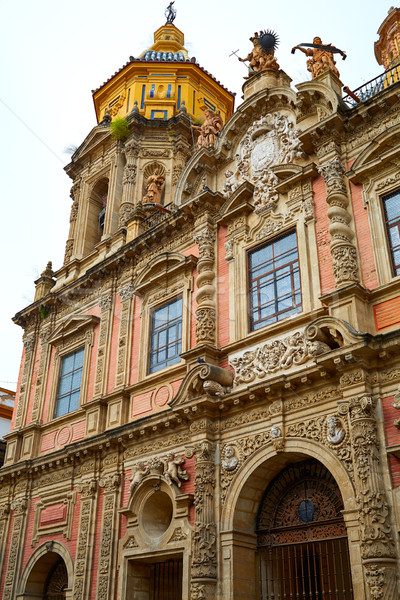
{"x": 53, "y": 54}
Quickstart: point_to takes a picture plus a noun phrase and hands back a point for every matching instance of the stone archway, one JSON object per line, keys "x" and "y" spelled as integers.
{"x": 48, "y": 574}
{"x": 301, "y": 536}
{"x": 241, "y": 578}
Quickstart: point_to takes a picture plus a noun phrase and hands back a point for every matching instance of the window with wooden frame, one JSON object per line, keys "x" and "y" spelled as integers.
{"x": 165, "y": 335}
{"x": 274, "y": 281}
{"x": 69, "y": 383}
{"x": 391, "y": 205}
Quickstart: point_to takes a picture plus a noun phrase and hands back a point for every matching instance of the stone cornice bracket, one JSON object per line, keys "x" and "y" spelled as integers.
{"x": 343, "y": 251}
{"x": 206, "y": 313}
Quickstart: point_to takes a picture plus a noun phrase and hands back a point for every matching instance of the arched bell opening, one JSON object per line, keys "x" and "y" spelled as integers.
{"x": 301, "y": 536}
{"x": 96, "y": 215}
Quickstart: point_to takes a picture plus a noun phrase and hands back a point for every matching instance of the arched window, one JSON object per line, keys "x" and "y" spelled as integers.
{"x": 96, "y": 214}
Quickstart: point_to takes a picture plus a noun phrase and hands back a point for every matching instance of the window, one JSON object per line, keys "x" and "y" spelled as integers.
{"x": 392, "y": 215}
{"x": 69, "y": 384}
{"x": 166, "y": 335}
{"x": 274, "y": 282}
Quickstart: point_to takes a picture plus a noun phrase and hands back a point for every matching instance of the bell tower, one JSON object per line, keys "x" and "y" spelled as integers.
{"x": 387, "y": 48}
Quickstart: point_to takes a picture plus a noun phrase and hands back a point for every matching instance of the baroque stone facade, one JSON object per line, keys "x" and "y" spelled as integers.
{"x": 193, "y": 362}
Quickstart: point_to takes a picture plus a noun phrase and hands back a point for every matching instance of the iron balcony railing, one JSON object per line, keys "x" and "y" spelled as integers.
{"x": 160, "y": 214}
{"x": 372, "y": 88}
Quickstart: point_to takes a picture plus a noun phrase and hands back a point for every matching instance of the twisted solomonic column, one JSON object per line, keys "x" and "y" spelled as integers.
{"x": 343, "y": 250}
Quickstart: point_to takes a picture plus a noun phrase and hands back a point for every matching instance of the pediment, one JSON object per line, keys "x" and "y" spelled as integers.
{"x": 168, "y": 262}
{"x": 382, "y": 149}
{"x": 334, "y": 332}
{"x": 71, "y": 325}
{"x": 97, "y": 136}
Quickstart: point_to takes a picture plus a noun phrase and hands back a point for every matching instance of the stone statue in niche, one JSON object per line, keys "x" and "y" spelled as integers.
{"x": 209, "y": 130}
{"x": 321, "y": 57}
{"x": 173, "y": 472}
{"x": 155, "y": 184}
{"x": 335, "y": 431}
{"x": 229, "y": 461}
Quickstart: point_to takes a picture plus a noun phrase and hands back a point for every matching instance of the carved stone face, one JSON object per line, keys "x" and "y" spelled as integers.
{"x": 229, "y": 452}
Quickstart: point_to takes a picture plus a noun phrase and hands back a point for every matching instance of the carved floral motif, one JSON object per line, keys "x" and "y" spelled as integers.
{"x": 275, "y": 356}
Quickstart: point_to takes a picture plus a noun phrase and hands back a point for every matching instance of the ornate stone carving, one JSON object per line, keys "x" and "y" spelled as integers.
{"x": 376, "y": 531}
{"x": 231, "y": 183}
{"x": 204, "y": 564}
{"x": 178, "y": 535}
{"x": 127, "y": 292}
{"x": 335, "y": 431}
{"x": 131, "y": 543}
{"x": 269, "y": 141}
{"x": 275, "y": 356}
{"x": 205, "y": 297}
{"x": 169, "y": 467}
{"x": 129, "y": 175}
{"x": 269, "y": 228}
{"x": 343, "y": 251}
{"x": 375, "y": 576}
{"x": 228, "y": 250}
{"x": 229, "y": 461}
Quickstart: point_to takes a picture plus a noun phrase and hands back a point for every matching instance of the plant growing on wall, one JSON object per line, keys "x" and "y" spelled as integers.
{"x": 119, "y": 128}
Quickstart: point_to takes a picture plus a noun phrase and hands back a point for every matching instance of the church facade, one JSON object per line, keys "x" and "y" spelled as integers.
{"x": 208, "y": 401}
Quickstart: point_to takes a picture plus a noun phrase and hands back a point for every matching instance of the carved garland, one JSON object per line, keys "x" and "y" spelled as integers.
{"x": 110, "y": 483}
{"x": 125, "y": 332}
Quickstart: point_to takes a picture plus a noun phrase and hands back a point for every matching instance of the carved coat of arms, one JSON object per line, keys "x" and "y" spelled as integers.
{"x": 269, "y": 141}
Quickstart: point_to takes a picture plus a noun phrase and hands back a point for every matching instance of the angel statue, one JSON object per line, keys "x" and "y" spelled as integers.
{"x": 173, "y": 472}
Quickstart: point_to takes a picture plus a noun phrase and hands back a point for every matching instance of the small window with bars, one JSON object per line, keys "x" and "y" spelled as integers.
{"x": 391, "y": 205}
{"x": 166, "y": 335}
{"x": 274, "y": 282}
{"x": 69, "y": 383}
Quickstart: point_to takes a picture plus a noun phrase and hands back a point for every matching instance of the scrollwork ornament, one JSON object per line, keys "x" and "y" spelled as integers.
{"x": 375, "y": 577}
{"x": 127, "y": 292}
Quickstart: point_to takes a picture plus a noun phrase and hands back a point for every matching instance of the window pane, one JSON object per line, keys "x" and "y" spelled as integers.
{"x": 165, "y": 336}
{"x": 69, "y": 383}
{"x": 392, "y": 213}
{"x": 274, "y": 290}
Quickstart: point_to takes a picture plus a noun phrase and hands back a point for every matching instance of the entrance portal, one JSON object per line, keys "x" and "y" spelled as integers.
{"x": 302, "y": 537}
{"x": 155, "y": 580}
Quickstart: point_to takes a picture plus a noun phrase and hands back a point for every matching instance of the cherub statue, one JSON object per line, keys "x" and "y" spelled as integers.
{"x": 155, "y": 185}
{"x": 321, "y": 57}
{"x": 172, "y": 469}
{"x": 141, "y": 470}
{"x": 209, "y": 130}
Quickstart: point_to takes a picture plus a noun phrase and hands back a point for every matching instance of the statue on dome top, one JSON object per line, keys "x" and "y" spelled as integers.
{"x": 170, "y": 12}
{"x": 262, "y": 58}
{"x": 321, "y": 57}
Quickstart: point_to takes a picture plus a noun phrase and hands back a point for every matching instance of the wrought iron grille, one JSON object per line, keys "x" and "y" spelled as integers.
{"x": 374, "y": 86}
{"x": 311, "y": 571}
{"x": 166, "y": 578}
{"x": 160, "y": 214}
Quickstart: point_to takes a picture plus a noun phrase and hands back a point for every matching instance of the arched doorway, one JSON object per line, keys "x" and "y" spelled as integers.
{"x": 302, "y": 538}
{"x": 56, "y": 582}
{"x": 48, "y": 574}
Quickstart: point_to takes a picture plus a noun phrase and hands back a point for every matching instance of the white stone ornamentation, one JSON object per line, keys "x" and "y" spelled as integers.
{"x": 270, "y": 140}
{"x": 334, "y": 430}
{"x": 229, "y": 461}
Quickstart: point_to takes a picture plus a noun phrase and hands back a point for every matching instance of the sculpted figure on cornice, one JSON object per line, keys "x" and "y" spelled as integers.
{"x": 270, "y": 140}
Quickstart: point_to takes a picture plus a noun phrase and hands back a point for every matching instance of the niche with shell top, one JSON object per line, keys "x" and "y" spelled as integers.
{"x": 153, "y": 169}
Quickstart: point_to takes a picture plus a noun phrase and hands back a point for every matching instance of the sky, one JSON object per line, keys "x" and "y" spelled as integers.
{"x": 52, "y": 54}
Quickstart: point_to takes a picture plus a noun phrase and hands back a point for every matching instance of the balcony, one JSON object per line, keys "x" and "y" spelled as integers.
{"x": 373, "y": 87}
